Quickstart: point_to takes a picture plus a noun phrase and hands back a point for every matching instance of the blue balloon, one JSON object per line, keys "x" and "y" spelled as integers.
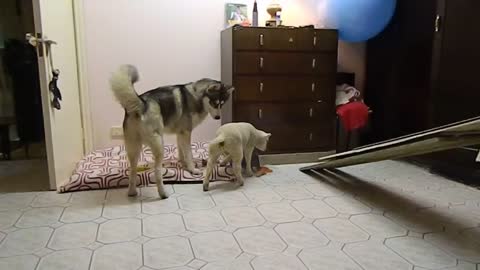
{"x": 359, "y": 20}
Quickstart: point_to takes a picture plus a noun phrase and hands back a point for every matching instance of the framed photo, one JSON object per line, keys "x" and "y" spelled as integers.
{"x": 236, "y": 14}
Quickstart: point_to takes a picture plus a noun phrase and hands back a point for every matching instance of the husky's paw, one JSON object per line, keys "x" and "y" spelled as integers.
{"x": 132, "y": 192}
{"x": 205, "y": 187}
{"x": 194, "y": 171}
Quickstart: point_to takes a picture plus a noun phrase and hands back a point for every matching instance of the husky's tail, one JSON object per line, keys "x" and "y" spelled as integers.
{"x": 121, "y": 84}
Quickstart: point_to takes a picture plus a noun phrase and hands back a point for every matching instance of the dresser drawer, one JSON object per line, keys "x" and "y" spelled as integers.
{"x": 268, "y": 88}
{"x": 284, "y": 113}
{"x": 317, "y": 40}
{"x": 299, "y": 139}
{"x": 284, "y": 63}
{"x": 264, "y": 39}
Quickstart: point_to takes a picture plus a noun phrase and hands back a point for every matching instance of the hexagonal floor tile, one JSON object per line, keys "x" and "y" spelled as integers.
{"x": 39, "y": 217}
{"x": 25, "y": 262}
{"x": 472, "y": 234}
{"x": 25, "y": 241}
{"x": 374, "y": 255}
{"x": 242, "y": 217}
{"x": 278, "y": 262}
{"x": 327, "y": 258}
{"x": 377, "y": 225}
{"x": 90, "y": 197}
{"x": 16, "y": 201}
{"x": 293, "y": 192}
{"x": 323, "y": 190}
{"x": 279, "y": 212}
{"x": 463, "y": 248}
{"x": 215, "y": 246}
{"x": 122, "y": 209}
{"x": 314, "y": 209}
{"x": 167, "y": 252}
{"x": 51, "y": 198}
{"x": 421, "y": 253}
{"x": 259, "y": 240}
{"x": 204, "y": 221}
{"x": 75, "y": 235}
{"x": 9, "y": 218}
{"x": 301, "y": 235}
{"x": 120, "y": 256}
{"x": 230, "y": 198}
{"x": 195, "y": 202}
{"x": 119, "y": 230}
{"x": 340, "y": 230}
{"x": 414, "y": 221}
{"x": 163, "y": 225}
{"x": 347, "y": 205}
{"x": 460, "y": 266}
{"x": 74, "y": 259}
{"x": 81, "y": 213}
{"x": 262, "y": 195}
{"x": 156, "y": 206}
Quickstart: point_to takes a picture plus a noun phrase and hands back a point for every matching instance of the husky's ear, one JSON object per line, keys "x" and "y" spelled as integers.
{"x": 230, "y": 89}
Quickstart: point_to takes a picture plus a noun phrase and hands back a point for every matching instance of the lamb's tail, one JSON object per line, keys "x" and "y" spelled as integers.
{"x": 121, "y": 84}
{"x": 216, "y": 144}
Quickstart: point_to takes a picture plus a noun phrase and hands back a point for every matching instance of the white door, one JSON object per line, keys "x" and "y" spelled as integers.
{"x": 63, "y": 128}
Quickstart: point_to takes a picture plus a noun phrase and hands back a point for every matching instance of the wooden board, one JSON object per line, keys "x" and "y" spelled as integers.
{"x": 460, "y": 134}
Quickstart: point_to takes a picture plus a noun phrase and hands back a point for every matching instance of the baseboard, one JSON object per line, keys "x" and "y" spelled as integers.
{"x": 293, "y": 158}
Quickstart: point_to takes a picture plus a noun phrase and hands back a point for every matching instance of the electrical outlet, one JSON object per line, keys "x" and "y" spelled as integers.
{"x": 116, "y": 132}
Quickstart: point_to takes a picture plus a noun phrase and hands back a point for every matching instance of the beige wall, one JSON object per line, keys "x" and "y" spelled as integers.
{"x": 170, "y": 42}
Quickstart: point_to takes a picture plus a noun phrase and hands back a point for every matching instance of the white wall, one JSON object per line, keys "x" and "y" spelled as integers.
{"x": 169, "y": 41}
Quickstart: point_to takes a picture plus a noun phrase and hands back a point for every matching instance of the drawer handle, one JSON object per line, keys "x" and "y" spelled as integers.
{"x": 261, "y": 62}
{"x": 261, "y": 87}
{"x": 314, "y": 63}
{"x": 314, "y": 41}
{"x": 261, "y": 39}
{"x": 313, "y": 87}
{"x": 310, "y": 137}
{"x": 310, "y": 112}
{"x": 260, "y": 113}
{"x": 319, "y": 101}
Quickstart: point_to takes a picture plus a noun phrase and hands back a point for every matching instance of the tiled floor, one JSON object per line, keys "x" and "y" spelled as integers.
{"x": 388, "y": 215}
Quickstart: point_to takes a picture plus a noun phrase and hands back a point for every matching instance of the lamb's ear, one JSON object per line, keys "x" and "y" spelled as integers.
{"x": 265, "y": 135}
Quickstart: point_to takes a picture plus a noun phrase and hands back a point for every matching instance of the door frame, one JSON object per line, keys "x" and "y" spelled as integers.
{"x": 84, "y": 102}
{"x": 79, "y": 24}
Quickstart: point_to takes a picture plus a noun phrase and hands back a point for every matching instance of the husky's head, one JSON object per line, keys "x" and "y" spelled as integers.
{"x": 215, "y": 96}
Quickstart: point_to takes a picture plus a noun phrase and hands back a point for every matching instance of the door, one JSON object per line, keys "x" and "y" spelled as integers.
{"x": 63, "y": 128}
{"x": 456, "y": 88}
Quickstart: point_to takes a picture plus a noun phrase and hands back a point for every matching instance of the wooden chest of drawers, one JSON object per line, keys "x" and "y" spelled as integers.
{"x": 285, "y": 84}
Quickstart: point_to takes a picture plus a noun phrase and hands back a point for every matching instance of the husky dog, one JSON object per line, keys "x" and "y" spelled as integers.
{"x": 236, "y": 141}
{"x": 176, "y": 109}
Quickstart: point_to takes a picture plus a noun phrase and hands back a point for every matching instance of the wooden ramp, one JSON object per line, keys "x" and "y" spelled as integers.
{"x": 459, "y": 134}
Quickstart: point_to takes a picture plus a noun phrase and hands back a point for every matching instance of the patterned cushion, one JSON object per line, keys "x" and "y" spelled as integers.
{"x": 109, "y": 167}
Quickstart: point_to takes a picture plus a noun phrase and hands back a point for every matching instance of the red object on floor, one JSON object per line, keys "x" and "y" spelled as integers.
{"x": 353, "y": 115}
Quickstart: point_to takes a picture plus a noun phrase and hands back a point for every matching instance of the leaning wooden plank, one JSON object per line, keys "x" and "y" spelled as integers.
{"x": 400, "y": 151}
{"x": 431, "y": 131}
{"x": 465, "y": 126}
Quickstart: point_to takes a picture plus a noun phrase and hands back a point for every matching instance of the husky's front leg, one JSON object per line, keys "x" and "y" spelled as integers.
{"x": 185, "y": 139}
{"x": 156, "y": 144}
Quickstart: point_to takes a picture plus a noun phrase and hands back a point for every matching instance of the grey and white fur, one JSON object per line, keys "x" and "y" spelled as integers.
{"x": 175, "y": 109}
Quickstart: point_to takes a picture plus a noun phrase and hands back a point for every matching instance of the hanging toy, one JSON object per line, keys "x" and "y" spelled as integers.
{"x": 52, "y": 86}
